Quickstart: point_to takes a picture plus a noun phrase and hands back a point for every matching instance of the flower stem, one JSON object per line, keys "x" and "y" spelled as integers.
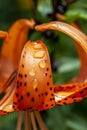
{"x": 40, "y": 121}
{"x": 27, "y": 121}
{"x": 33, "y": 121}
{"x": 19, "y": 121}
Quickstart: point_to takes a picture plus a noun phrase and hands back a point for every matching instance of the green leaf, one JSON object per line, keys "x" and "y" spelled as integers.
{"x": 68, "y": 64}
{"x": 77, "y": 10}
{"x": 44, "y": 7}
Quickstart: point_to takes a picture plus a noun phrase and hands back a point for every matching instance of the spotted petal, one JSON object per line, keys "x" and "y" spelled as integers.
{"x": 34, "y": 82}
{"x": 12, "y": 47}
{"x": 78, "y": 90}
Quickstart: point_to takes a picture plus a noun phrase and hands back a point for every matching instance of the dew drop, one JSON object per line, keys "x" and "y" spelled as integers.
{"x": 39, "y": 54}
{"x": 42, "y": 64}
{"x": 35, "y": 83}
{"x": 37, "y": 46}
{"x": 32, "y": 72}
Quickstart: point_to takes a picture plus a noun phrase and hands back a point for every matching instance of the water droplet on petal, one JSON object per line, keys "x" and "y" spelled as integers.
{"x": 32, "y": 72}
{"x": 42, "y": 64}
{"x": 39, "y": 54}
{"x": 35, "y": 83}
{"x": 37, "y": 46}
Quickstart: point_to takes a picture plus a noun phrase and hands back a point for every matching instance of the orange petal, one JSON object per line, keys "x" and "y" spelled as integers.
{"x": 3, "y": 34}
{"x": 71, "y": 31}
{"x": 3, "y": 112}
{"x": 69, "y": 93}
{"x": 79, "y": 91}
{"x": 8, "y": 82}
{"x": 17, "y": 36}
{"x": 34, "y": 82}
{"x": 6, "y": 103}
{"x": 81, "y": 52}
{"x": 12, "y": 47}
{"x": 82, "y": 76}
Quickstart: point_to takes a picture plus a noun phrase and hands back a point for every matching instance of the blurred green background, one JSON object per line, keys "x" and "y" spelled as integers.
{"x": 64, "y": 58}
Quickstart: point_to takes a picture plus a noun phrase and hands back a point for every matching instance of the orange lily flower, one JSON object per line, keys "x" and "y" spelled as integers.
{"x": 12, "y": 47}
{"x": 31, "y": 87}
{"x": 82, "y": 54}
{"x": 10, "y": 56}
{"x": 77, "y": 89}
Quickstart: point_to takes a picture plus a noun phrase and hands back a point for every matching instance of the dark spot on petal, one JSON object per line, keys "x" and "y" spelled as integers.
{"x": 17, "y": 82}
{"x": 22, "y": 65}
{"x": 46, "y": 105}
{"x": 46, "y": 93}
{"x": 48, "y": 83}
{"x": 47, "y": 69}
{"x": 28, "y": 94}
{"x": 25, "y": 75}
{"x": 85, "y": 88}
{"x": 64, "y": 102}
{"x": 74, "y": 97}
{"x": 81, "y": 92}
{"x": 17, "y": 86}
{"x": 21, "y": 98}
{"x": 39, "y": 95}
{"x": 18, "y": 107}
{"x": 65, "y": 99}
{"x": 20, "y": 83}
{"x": 14, "y": 103}
{"x": 23, "y": 56}
{"x": 51, "y": 99}
{"x": 32, "y": 99}
{"x": 52, "y": 94}
{"x": 50, "y": 76}
{"x": 45, "y": 74}
{"x": 20, "y": 75}
{"x": 36, "y": 89}
{"x": 17, "y": 95}
{"x": 50, "y": 88}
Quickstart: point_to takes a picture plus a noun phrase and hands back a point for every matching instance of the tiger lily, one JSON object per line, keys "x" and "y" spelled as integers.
{"x": 82, "y": 55}
{"x": 30, "y": 87}
{"x": 9, "y": 61}
{"x": 76, "y": 90}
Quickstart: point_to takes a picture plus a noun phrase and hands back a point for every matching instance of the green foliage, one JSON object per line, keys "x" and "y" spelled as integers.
{"x": 77, "y": 10}
{"x": 62, "y": 52}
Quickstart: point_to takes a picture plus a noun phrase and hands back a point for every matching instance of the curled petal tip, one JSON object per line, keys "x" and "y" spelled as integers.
{"x": 3, "y": 34}
{"x": 17, "y": 36}
{"x": 26, "y": 22}
{"x": 71, "y": 31}
{"x": 32, "y": 23}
